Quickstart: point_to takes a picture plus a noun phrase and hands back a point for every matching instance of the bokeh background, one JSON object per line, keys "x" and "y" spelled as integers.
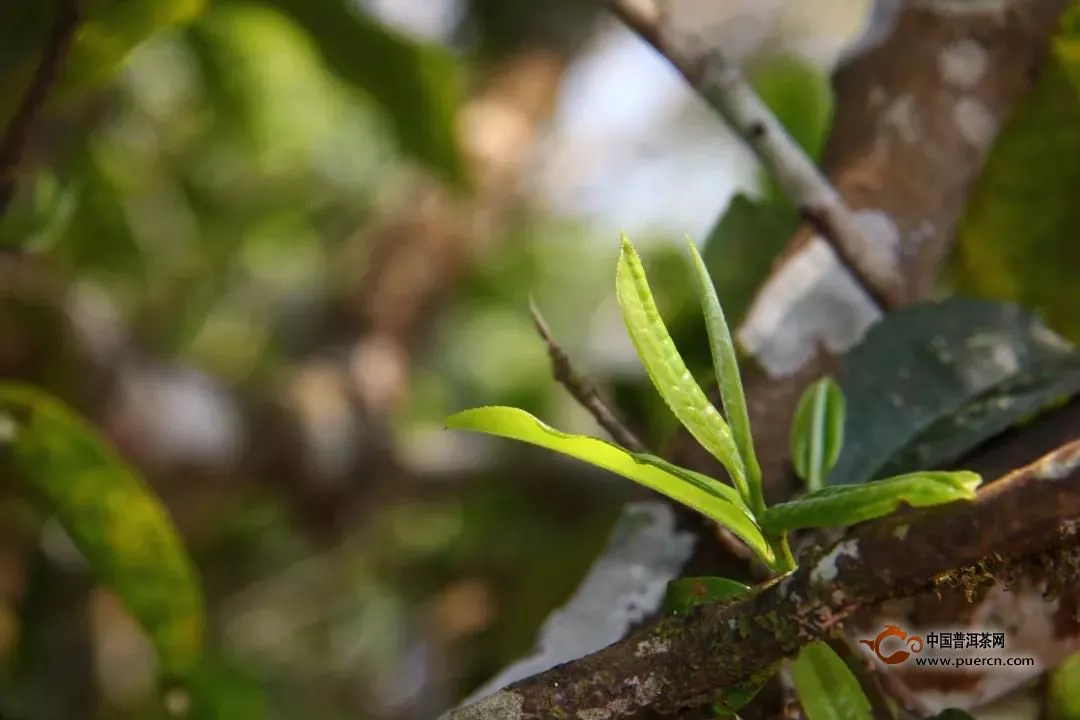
{"x": 284, "y": 241}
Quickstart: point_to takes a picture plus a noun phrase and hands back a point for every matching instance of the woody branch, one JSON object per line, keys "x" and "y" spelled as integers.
{"x": 680, "y": 662}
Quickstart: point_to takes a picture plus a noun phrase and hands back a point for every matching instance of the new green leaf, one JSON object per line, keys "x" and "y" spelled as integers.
{"x": 726, "y": 366}
{"x": 826, "y": 687}
{"x": 842, "y": 505}
{"x": 817, "y": 432}
{"x": 111, "y": 516}
{"x": 519, "y": 425}
{"x": 667, "y": 370}
{"x": 706, "y": 483}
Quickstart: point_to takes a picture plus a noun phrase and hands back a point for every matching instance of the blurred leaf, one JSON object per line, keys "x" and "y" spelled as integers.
{"x": 519, "y": 425}
{"x": 726, "y": 367}
{"x": 417, "y": 84}
{"x": 667, "y": 370}
{"x": 219, "y": 690}
{"x": 685, "y": 593}
{"x": 817, "y": 432}
{"x": 109, "y": 30}
{"x": 1066, "y": 45}
{"x": 1017, "y": 240}
{"x": 112, "y": 517}
{"x": 800, "y": 94}
{"x": 932, "y": 381}
{"x": 843, "y": 505}
{"x": 827, "y": 689}
{"x": 1064, "y": 692}
{"x": 742, "y": 247}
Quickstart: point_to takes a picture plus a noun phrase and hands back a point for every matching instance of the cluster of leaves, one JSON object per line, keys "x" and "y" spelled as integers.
{"x": 817, "y": 438}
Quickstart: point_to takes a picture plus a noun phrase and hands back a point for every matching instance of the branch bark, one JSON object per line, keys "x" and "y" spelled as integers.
{"x": 723, "y": 87}
{"x": 680, "y": 662}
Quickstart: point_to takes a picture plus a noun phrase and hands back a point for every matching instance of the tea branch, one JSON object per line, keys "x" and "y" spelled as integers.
{"x": 582, "y": 389}
{"x": 48, "y": 69}
{"x": 722, "y": 86}
{"x": 679, "y": 662}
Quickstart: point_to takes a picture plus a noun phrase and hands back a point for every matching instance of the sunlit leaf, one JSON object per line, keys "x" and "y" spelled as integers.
{"x": 817, "y": 432}
{"x": 667, "y": 370}
{"x": 1017, "y": 239}
{"x": 685, "y": 593}
{"x": 726, "y": 367}
{"x": 418, "y": 84}
{"x": 519, "y": 425}
{"x": 933, "y": 381}
{"x": 842, "y": 505}
{"x": 112, "y": 517}
{"x": 826, "y": 687}
{"x": 706, "y": 483}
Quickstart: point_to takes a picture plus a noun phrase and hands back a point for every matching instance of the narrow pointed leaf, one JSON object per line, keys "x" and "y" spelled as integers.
{"x": 817, "y": 432}
{"x": 826, "y": 687}
{"x": 519, "y": 425}
{"x": 111, "y": 516}
{"x": 726, "y": 366}
{"x": 667, "y": 370}
{"x": 685, "y": 593}
{"x": 841, "y": 505}
{"x": 706, "y": 483}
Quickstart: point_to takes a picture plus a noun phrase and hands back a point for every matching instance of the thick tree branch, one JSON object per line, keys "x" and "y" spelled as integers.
{"x": 48, "y": 69}
{"x": 680, "y": 662}
{"x": 721, "y": 84}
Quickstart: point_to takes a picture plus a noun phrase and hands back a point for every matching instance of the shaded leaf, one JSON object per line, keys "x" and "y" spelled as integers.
{"x": 685, "y": 593}
{"x": 667, "y": 370}
{"x": 817, "y": 432}
{"x": 519, "y": 425}
{"x": 1017, "y": 239}
{"x": 726, "y": 367}
{"x": 737, "y": 696}
{"x": 932, "y": 381}
{"x": 826, "y": 687}
{"x": 417, "y": 83}
{"x": 112, "y": 517}
{"x": 842, "y": 505}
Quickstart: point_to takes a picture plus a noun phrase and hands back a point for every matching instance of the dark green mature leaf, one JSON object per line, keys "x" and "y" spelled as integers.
{"x": 842, "y": 505}
{"x": 931, "y": 382}
{"x": 817, "y": 432}
{"x": 826, "y": 687}
{"x": 519, "y": 425}
{"x": 742, "y": 247}
{"x": 418, "y": 84}
{"x": 112, "y": 517}
{"x": 1017, "y": 240}
{"x": 726, "y": 367}
{"x": 667, "y": 370}
{"x": 685, "y": 593}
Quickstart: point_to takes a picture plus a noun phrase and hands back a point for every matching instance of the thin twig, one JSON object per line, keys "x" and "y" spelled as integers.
{"x": 721, "y": 84}
{"x": 582, "y": 389}
{"x": 53, "y": 54}
{"x": 677, "y": 663}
